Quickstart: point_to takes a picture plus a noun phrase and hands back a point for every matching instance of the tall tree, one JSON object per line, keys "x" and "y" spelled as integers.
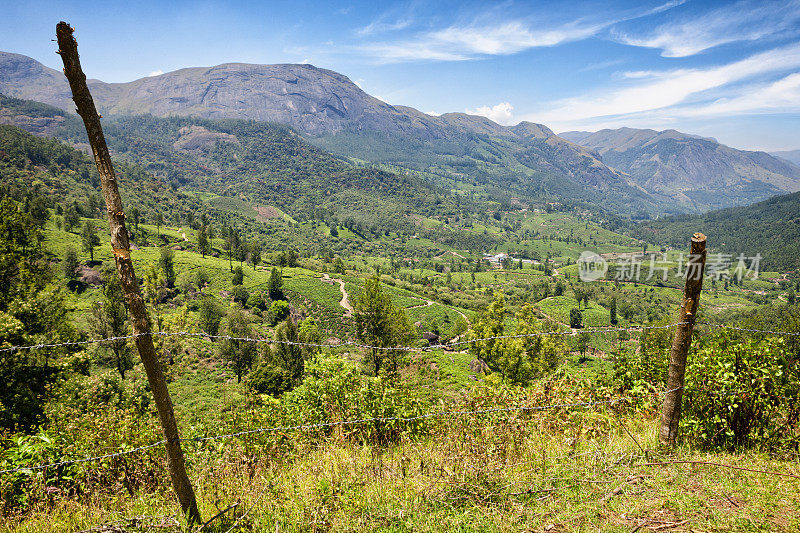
{"x": 110, "y": 319}
{"x": 202, "y": 241}
{"x": 255, "y": 253}
{"x": 286, "y": 353}
{"x": 209, "y": 315}
{"x": 612, "y": 311}
{"x": 239, "y": 353}
{"x": 71, "y": 218}
{"x": 382, "y": 325}
{"x": 232, "y": 245}
{"x": 275, "y": 285}
{"x": 70, "y": 264}
{"x": 89, "y": 238}
{"x": 575, "y": 318}
{"x": 31, "y": 311}
{"x": 167, "y": 263}
{"x": 238, "y": 276}
{"x": 136, "y": 217}
{"x": 159, "y": 220}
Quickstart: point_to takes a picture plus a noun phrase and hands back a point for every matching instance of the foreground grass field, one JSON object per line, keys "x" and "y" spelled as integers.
{"x": 537, "y": 472}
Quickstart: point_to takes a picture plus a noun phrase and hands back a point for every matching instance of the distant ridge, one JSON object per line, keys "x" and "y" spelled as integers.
{"x": 691, "y": 169}
{"x": 793, "y": 156}
{"x": 628, "y": 171}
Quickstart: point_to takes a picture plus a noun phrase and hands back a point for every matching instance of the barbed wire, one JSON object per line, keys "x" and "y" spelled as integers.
{"x": 749, "y": 330}
{"x": 353, "y": 344}
{"x": 84, "y": 459}
{"x": 319, "y": 425}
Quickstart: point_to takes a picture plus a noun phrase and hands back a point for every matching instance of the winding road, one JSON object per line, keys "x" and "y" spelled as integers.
{"x": 345, "y": 301}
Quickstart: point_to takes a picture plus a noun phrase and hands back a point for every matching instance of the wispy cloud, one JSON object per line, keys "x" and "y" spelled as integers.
{"x": 156, "y": 73}
{"x": 651, "y": 91}
{"x": 395, "y": 19}
{"x": 746, "y": 20}
{"x": 782, "y": 95}
{"x": 381, "y": 26}
{"x": 459, "y": 43}
{"x": 484, "y": 37}
{"x": 500, "y": 113}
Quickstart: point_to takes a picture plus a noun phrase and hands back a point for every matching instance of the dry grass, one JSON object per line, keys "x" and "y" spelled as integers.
{"x": 532, "y": 473}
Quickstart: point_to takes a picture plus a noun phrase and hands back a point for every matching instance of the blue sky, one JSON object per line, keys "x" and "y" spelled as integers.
{"x": 729, "y": 70}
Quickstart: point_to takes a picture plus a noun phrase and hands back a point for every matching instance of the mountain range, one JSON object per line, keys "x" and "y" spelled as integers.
{"x": 694, "y": 170}
{"x": 792, "y": 156}
{"x": 626, "y": 171}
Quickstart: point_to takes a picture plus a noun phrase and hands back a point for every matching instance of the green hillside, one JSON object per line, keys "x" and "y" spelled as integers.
{"x": 269, "y": 165}
{"x": 504, "y": 168}
{"x": 770, "y": 228}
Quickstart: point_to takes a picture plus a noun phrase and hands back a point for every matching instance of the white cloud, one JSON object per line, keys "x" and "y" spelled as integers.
{"x": 782, "y": 95}
{"x": 381, "y": 26}
{"x": 500, "y": 113}
{"x": 433, "y": 113}
{"x": 155, "y": 73}
{"x": 660, "y": 90}
{"x": 746, "y": 20}
{"x": 458, "y": 43}
{"x": 482, "y": 38}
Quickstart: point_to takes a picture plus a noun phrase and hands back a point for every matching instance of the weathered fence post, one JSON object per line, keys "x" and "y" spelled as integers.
{"x": 671, "y": 409}
{"x": 68, "y": 49}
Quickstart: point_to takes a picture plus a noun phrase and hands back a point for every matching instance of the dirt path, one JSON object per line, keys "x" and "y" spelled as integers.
{"x": 431, "y": 302}
{"x": 456, "y": 254}
{"x": 553, "y": 319}
{"x": 345, "y": 301}
{"x": 426, "y": 304}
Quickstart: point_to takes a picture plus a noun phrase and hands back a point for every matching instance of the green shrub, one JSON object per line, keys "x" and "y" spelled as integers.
{"x": 240, "y": 294}
{"x": 742, "y": 394}
{"x": 278, "y": 311}
{"x": 257, "y": 300}
{"x": 238, "y": 276}
{"x": 269, "y": 378}
{"x": 335, "y": 390}
{"x": 646, "y": 367}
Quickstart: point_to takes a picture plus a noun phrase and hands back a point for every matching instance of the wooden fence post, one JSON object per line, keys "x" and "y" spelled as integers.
{"x": 671, "y": 409}
{"x": 68, "y": 49}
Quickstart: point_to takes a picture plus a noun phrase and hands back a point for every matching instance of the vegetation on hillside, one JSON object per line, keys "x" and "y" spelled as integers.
{"x": 292, "y": 295}
{"x": 776, "y": 222}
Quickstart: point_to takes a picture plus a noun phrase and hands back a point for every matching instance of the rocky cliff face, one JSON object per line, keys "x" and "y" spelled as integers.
{"x": 312, "y": 100}
{"x": 41, "y": 126}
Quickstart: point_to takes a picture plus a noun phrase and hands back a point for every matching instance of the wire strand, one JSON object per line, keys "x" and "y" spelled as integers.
{"x": 352, "y": 344}
{"x": 303, "y": 427}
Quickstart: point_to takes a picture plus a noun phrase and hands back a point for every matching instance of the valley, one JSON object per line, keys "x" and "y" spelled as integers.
{"x": 381, "y": 319}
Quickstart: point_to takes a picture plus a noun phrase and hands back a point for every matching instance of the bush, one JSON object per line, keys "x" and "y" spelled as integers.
{"x": 268, "y": 378}
{"x": 210, "y": 315}
{"x": 742, "y": 394}
{"x": 240, "y": 294}
{"x": 277, "y": 311}
{"x": 257, "y": 300}
{"x": 575, "y": 318}
{"x": 646, "y": 367}
{"x": 334, "y": 390}
{"x": 238, "y": 276}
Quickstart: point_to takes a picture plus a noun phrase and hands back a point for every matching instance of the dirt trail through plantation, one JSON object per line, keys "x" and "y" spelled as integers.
{"x": 345, "y": 301}
{"x": 426, "y": 304}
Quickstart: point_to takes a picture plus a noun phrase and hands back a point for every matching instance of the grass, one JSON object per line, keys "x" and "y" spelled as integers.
{"x": 534, "y": 471}
{"x": 474, "y": 473}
